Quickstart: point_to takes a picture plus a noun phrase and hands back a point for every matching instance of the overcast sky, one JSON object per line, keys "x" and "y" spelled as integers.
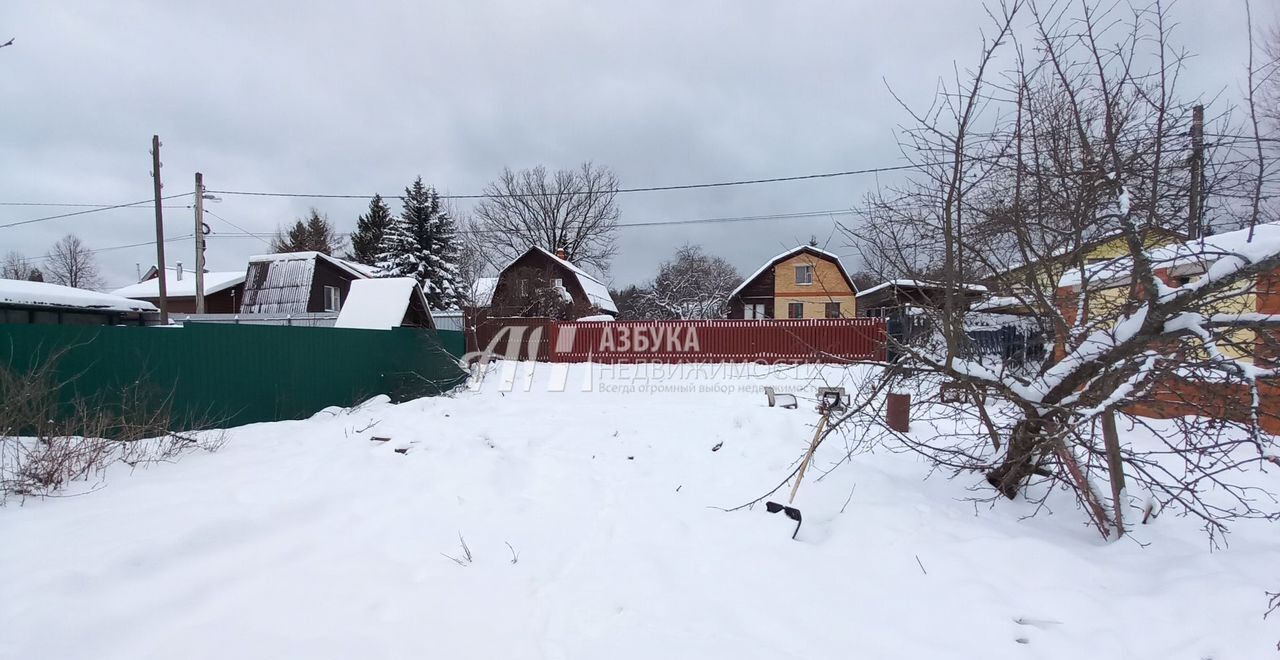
{"x": 358, "y": 98}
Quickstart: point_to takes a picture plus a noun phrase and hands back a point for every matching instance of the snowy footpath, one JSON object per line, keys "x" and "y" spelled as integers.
{"x": 593, "y": 525}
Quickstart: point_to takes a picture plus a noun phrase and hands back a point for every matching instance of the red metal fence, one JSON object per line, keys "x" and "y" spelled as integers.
{"x": 816, "y": 340}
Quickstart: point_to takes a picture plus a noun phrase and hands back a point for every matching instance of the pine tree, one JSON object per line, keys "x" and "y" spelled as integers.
{"x": 422, "y": 243}
{"x": 316, "y": 234}
{"x": 370, "y": 228}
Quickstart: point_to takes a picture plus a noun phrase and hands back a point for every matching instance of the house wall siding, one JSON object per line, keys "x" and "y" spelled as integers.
{"x": 829, "y": 285}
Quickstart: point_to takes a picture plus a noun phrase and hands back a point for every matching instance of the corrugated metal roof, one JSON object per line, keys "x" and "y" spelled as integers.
{"x": 281, "y": 285}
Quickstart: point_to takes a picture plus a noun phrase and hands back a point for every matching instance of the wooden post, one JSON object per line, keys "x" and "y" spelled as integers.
{"x": 808, "y": 456}
{"x": 1194, "y": 228}
{"x": 155, "y": 177}
{"x": 199, "y": 206}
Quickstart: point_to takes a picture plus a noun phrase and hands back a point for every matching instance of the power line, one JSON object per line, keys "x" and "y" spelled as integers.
{"x": 653, "y": 223}
{"x": 246, "y": 231}
{"x": 92, "y": 210}
{"x": 74, "y": 205}
{"x": 619, "y": 191}
{"x": 28, "y": 260}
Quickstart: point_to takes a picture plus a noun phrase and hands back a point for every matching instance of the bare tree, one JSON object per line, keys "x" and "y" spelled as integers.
{"x": 1021, "y": 178}
{"x": 70, "y": 263}
{"x": 16, "y": 267}
{"x": 691, "y": 285}
{"x": 571, "y": 210}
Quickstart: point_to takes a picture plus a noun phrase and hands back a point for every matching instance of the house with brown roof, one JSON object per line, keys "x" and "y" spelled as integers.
{"x": 804, "y": 282}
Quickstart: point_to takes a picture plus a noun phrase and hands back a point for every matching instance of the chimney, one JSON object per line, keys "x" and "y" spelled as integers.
{"x": 560, "y": 253}
{"x": 179, "y": 271}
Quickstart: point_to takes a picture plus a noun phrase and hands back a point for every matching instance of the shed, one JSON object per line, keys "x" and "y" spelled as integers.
{"x": 889, "y": 298}
{"x": 385, "y": 303}
{"x": 41, "y": 302}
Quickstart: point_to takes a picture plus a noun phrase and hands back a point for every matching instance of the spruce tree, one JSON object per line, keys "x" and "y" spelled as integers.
{"x": 370, "y": 228}
{"x": 316, "y": 234}
{"x": 422, "y": 244}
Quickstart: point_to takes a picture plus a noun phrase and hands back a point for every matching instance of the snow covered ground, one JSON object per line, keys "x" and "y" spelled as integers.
{"x": 308, "y": 540}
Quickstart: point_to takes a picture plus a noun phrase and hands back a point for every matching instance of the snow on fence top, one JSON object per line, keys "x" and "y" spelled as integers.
{"x": 1196, "y": 255}
{"x": 213, "y": 283}
{"x": 44, "y": 294}
{"x": 378, "y": 304}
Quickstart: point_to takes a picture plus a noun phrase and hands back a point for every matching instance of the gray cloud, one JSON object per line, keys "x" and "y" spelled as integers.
{"x": 360, "y": 98}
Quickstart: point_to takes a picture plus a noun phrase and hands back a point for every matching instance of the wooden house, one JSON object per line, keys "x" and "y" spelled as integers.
{"x": 538, "y": 283}
{"x": 802, "y": 283}
{"x": 223, "y": 291}
{"x": 298, "y": 282}
{"x": 22, "y": 301}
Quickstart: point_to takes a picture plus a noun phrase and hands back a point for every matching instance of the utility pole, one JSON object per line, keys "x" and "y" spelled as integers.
{"x": 1195, "y": 227}
{"x": 155, "y": 177}
{"x": 199, "y": 243}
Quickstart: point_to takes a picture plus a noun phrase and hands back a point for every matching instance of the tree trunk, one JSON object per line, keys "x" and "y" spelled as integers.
{"x": 1019, "y": 461}
{"x": 1115, "y": 466}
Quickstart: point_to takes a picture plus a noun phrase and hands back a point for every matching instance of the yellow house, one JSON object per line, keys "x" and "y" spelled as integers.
{"x": 802, "y": 283}
{"x": 1013, "y": 289}
{"x": 1103, "y": 289}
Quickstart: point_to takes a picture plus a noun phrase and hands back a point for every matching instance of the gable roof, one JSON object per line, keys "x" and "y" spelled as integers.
{"x": 597, "y": 291}
{"x": 380, "y": 303}
{"x": 359, "y": 270}
{"x": 213, "y": 283}
{"x": 1259, "y": 243}
{"x": 830, "y": 256}
{"x": 45, "y": 294}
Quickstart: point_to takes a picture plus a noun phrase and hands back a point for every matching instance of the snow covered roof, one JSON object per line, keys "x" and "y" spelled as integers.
{"x": 44, "y": 294}
{"x": 998, "y": 303}
{"x": 175, "y": 288}
{"x": 281, "y": 283}
{"x": 482, "y": 291}
{"x": 922, "y": 284}
{"x": 788, "y": 254}
{"x": 597, "y": 292}
{"x": 1198, "y": 253}
{"x": 379, "y": 304}
{"x": 359, "y": 270}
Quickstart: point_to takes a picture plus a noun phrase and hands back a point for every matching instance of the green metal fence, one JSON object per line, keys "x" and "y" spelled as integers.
{"x": 237, "y": 374}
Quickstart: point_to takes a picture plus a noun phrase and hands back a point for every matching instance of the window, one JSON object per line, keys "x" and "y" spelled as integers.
{"x": 795, "y": 310}
{"x": 833, "y": 310}
{"x": 754, "y": 311}
{"x": 524, "y": 288}
{"x": 804, "y": 274}
{"x": 332, "y": 299}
